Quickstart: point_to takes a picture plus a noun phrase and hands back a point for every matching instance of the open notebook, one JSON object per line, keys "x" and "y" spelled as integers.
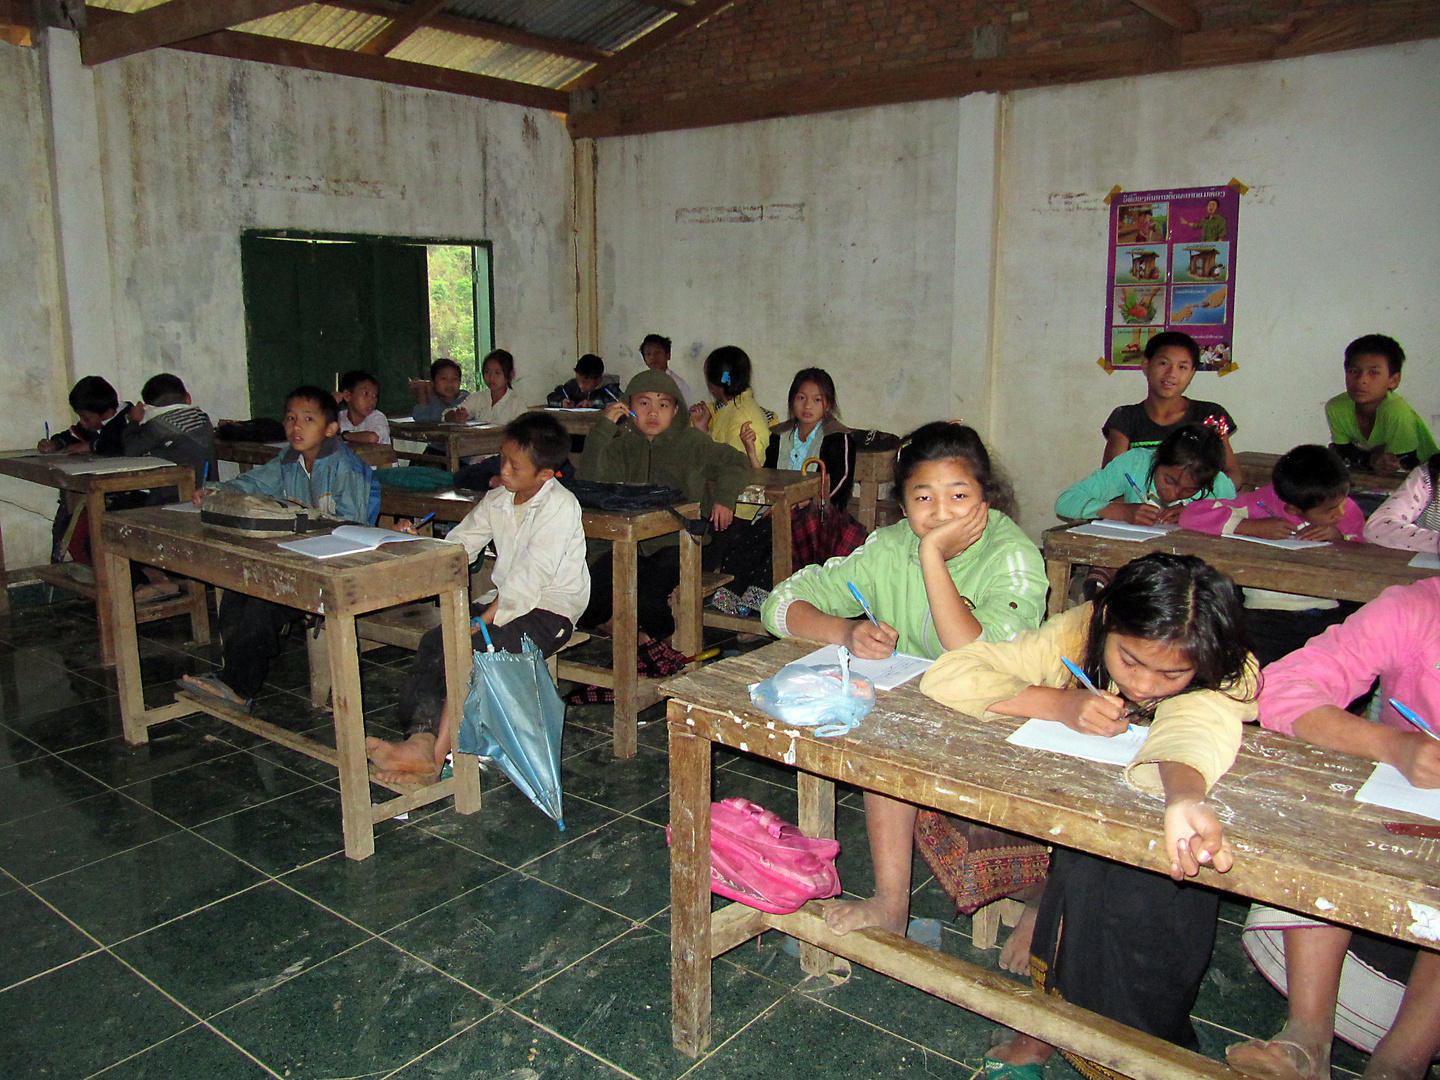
{"x": 346, "y": 540}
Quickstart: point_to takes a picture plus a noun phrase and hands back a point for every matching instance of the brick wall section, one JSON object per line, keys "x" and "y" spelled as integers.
{"x": 760, "y": 41}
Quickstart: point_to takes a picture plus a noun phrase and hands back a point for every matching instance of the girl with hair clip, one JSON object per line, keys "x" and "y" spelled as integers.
{"x": 737, "y": 419}
{"x": 1167, "y": 643}
{"x": 814, "y": 430}
{"x": 1148, "y": 487}
{"x": 956, "y": 570}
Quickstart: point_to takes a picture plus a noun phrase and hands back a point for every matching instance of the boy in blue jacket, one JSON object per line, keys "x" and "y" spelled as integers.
{"x": 319, "y": 470}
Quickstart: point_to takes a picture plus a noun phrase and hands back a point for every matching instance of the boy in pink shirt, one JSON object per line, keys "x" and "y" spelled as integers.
{"x": 1395, "y": 637}
{"x": 1307, "y": 498}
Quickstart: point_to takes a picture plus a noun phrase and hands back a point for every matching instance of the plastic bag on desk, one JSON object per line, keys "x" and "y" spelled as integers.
{"x": 826, "y": 698}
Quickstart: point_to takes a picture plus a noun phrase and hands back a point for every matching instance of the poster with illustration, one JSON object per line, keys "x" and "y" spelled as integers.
{"x": 1172, "y": 260}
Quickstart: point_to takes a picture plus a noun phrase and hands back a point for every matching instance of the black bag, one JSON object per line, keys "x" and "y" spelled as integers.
{"x": 594, "y": 495}
{"x": 260, "y": 429}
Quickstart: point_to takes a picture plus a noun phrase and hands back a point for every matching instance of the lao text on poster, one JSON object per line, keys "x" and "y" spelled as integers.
{"x": 1172, "y": 265}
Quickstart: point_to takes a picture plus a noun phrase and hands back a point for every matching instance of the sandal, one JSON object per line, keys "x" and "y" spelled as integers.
{"x": 1272, "y": 1059}
{"x": 211, "y": 685}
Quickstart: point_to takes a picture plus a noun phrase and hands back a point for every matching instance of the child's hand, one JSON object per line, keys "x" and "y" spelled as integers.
{"x": 404, "y": 525}
{"x": 1319, "y": 532}
{"x": 487, "y": 616}
{"x": 1268, "y": 528}
{"x": 870, "y": 642}
{"x": 700, "y": 417}
{"x": 47, "y": 446}
{"x": 81, "y": 447}
{"x": 957, "y": 534}
{"x": 1194, "y": 837}
{"x": 136, "y": 415}
{"x": 616, "y": 411}
{"x": 457, "y": 416}
{"x": 747, "y": 435}
{"x": 1419, "y": 759}
{"x": 1140, "y": 513}
{"x": 1384, "y": 462}
{"x": 421, "y": 389}
{"x": 1093, "y": 714}
{"x": 721, "y": 517}
{"x": 197, "y": 496}
{"x": 1170, "y": 515}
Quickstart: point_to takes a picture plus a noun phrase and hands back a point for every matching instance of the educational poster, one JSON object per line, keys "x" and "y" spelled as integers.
{"x": 1172, "y": 259}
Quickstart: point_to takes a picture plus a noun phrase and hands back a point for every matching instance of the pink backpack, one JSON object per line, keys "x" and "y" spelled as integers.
{"x": 765, "y": 862}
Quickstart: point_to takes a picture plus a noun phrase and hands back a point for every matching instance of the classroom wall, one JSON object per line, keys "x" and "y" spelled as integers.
{"x": 193, "y": 149}
{"x": 885, "y": 277}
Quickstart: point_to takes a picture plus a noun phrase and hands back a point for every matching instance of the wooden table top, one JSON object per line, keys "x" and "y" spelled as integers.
{"x": 1340, "y": 571}
{"x": 376, "y": 455}
{"x": 1300, "y": 839}
{"x": 45, "y": 469}
{"x": 1258, "y": 466}
{"x": 772, "y": 486}
{"x": 181, "y": 542}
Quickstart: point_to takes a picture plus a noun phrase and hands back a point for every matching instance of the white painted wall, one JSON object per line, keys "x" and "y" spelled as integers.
{"x": 885, "y": 280}
{"x": 193, "y": 149}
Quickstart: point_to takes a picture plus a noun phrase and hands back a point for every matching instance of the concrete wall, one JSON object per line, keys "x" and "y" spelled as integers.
{"x": 886, "y": 280}
{"x": 189, "y": 150}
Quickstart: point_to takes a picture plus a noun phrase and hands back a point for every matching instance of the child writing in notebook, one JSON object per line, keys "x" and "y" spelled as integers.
{"x": 956, "y": 570}
{"x": 1171, "y": 358}
{"x": 1395, "y": 638}
{"x": 1165, "y": 642}
{"x": 1410, "y": 518}
{"x": 1148, "y": 487}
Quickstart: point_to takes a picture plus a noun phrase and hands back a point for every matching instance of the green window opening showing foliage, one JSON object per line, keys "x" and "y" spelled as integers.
{"x": 460, "y": 325}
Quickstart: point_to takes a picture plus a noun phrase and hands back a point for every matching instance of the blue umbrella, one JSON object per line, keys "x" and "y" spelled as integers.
{"x": 514, "y": 716}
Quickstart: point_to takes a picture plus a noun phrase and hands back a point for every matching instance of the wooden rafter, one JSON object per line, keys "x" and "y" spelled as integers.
{"x": 169, "y": 23}
{"x": 402, "y": 26}
{"x": 477, "y": 28}
{"x": 663, "y": 34}
{"x": 1177, "y": 13}
{"x": 269, "y": 50}
{"x": 677, "y": 6}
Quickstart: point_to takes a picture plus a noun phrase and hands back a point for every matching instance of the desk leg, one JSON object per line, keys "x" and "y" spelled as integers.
{"x": 104, "y": 583}
{"x": 196, "y": 590}
{"x": 4, "y": 582}
{"x": 816, "y": 818}
{"x": 625, "y": 624}
{"x": 121, "y": 616}
{"x": 1058, "y": 571}
{"x": 689, "y": 633}
{"x": 689, "y": 890}
{"x": 781, "y": 522}
{"x": 350, "y": 736}
{"x": 455, "y": 631}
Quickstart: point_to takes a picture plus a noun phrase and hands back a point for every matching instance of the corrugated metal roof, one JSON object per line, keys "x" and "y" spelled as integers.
{"x": 599, "y": 24}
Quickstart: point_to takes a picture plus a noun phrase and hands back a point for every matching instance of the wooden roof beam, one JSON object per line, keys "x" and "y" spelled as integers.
{"x": 677, "y": 6}
{"x": 663, "y": 34}
{"x": 402, "y": 26}
{"x": 1176, "y": 13}
{"x": 477, "y": 28}
{"x": 171, "y": 22}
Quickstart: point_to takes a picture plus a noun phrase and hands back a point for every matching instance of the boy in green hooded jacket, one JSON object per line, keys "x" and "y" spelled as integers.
{"x": 646, "y": 438}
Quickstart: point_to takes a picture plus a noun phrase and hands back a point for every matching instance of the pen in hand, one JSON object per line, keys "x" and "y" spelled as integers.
{"x": 856, "y": 593}
{"x": 1276, "y": 516}
{"x": 1144, "y": 499}
{"x": 1084, "y": 679}
{"x": 1409, "y": 714}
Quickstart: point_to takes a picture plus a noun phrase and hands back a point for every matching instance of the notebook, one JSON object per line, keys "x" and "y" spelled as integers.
{"x": 346, "y": 540}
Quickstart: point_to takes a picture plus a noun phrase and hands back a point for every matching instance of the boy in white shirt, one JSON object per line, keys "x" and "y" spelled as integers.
{"x": 360, "y": 420}
{"x": 542, "y": 582}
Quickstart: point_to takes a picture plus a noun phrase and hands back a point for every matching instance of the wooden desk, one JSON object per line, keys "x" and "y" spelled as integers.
{"x": 459, "y": 440}
{"x": 250, "y": 454}
{"x": 1278, "y": 799}
{"x": 574, "y": 421}
{"x": 340, "y": 589}
{"x": 625, "y": 530}
{"x": 872, "y": 468}
{"x": 88, "y": 491}
{"x": 1340, "y": 571}
{"x": 1257, "y": 468}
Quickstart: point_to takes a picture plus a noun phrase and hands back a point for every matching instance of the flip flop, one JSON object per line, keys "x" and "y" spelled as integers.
{"x": 995, "y": 1069}
{"x": 1271, "y": 1059}
{"x": 211, "y": 685}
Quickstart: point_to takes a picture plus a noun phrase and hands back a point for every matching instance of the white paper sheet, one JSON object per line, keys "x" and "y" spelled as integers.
{"x": 883, "y": 674}
{"x": 1425, "y": 560}
{"x": 1388, "y": 787}
{"x": 1122, "y": 530}
{"x": 1058, "y": 739}
{"x": 99, "y": 466}
{"x": 1290, "y": 544}
{"x": 346, "y": 540}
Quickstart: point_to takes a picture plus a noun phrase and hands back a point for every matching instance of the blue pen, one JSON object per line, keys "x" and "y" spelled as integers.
{"x": 484, "y": 632}
{"x": 1143, "y": 497}
{"x": 1272, "y": 513}
{"x": 1084, "y": 679}
{"x": 47, "y": 430}
{"x": 1410, "y": 715}
{"x": 205, "y": 476}
{"x": 423, "y": 520}
{"x": 856, "y": 593}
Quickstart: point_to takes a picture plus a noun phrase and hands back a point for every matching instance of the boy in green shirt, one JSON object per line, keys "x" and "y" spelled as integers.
{"x": 1371, "y": 426}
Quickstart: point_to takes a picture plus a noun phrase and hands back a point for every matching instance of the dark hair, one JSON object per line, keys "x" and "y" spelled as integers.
{"x": 1177, "y": 600}
{"x": 821, "y": 378}
{"x": 1378, "y": 345}
{"x": 506, "y": 362}
{"x": 590, "y": 366}
{"x": 1196, "y": 448}
{"x": 316, "y": 396}
{"x": 728, "y": 367}
{"x": 351, "y": 379}
{"x": 163, "y": 389}
{"x": 93, "y": 394}
{"x": 945, "y": 440}
{"x": 1173, "y": 337}
{"x": 441, "y": 364}
{"x": 1310, "y": 475}
{"x": 656, "y": 339}
{"x": 541, "y": 436}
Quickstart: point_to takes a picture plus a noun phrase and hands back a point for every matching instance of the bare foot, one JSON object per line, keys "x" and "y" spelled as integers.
{"x": 1278, "y": 1059}
{"x": 211, "y": 686}
{"x": 1020, "y": 1049}
{"x": 842, "y": 916}
{"x": 1015, "y": 956}
{"x": 411, "y": 761}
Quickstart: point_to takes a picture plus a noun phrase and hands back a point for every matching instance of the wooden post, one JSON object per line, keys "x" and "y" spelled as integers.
{"x": 625, "y": 625}
{"x": 121, "y": 617}
{"x": 689, "y": 634}
{"x": 689, "y": 887}
{"x": 350, "y": 736}
{"x": 816, "y": 818}
{"x": 455, "y": 633}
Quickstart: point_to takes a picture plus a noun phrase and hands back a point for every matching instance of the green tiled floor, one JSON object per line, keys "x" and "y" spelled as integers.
{"x": 184, "y": 910}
